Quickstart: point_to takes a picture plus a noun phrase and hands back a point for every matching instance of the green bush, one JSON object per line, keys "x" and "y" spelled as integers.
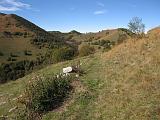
{"x": 85, "y": 50}
{"x": 64, "y": 53}
{"x": 46, "y": 93}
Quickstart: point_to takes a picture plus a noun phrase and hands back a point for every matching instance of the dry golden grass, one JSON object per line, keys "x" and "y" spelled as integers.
{"x": 131, "y": 83}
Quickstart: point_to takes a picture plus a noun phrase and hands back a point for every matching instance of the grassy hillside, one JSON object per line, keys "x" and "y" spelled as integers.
{"x": 122, "y": 84}
{"x": 18, "y": 35}
{"x": 25, "y": 47}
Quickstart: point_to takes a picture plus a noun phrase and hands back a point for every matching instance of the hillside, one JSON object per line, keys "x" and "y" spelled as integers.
{"x": 102, "y": 39}
{"x": 114, "y": 35}
{"x": 24, "y": 47}
{"x": 122, "y": 84}
{"x": 18, "y": 35}
{"x": 154, "y": 31}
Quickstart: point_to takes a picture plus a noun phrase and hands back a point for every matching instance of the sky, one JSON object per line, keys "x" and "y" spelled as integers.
{"x": 84, "y": 15}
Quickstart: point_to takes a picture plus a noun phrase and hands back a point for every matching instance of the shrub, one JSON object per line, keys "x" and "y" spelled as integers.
{"x": 65, "y": 53}
{"x": 46, "y": 93}
{"x": 85, "y": 50}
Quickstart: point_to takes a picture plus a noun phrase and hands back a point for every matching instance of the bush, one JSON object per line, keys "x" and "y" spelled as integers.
{"x": 85, "y": 50}
{"x": 46, "y": 93}
{"x": 61, "y": 54}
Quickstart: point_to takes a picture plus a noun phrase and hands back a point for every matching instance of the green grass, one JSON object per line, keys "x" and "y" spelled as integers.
{"x": 122, "y": 84}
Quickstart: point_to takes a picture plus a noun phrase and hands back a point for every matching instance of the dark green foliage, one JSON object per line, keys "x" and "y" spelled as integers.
{"x": 85, "y": 50}
{"x": 46, "y": 93}
{"x": 64, "y": 53}
{"x": 15, "y": 70}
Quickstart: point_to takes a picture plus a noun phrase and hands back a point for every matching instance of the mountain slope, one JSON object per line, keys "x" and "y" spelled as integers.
{"x": 121, "y": 84}
{"x": 24, "y": 46}
{"x": 18, "y": 35}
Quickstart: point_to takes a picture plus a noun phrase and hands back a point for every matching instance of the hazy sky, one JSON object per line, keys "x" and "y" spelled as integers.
{"x": 84, "y": 15}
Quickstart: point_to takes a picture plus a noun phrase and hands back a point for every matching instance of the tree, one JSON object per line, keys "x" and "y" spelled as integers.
{"x": 136, "y": 25}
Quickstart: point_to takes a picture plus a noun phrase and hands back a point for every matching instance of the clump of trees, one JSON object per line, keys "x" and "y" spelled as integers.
{"x": 64, "y": 53}
{"x": 85, "y": 49}
{"x": 15, "y": 70}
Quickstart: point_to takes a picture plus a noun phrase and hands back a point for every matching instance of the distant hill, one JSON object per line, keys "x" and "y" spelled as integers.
{"x": 155, "y": 31}
{"x": 24, "y": 44}
{"x": 67, "y": 36}
{"x": 115, "y": 35}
